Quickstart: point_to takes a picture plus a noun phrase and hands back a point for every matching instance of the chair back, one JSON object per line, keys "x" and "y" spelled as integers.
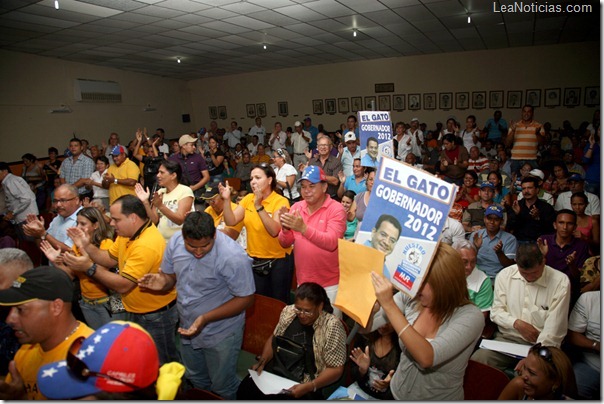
{"x": 483, "y": 382}
{"x": 261, "y": 318}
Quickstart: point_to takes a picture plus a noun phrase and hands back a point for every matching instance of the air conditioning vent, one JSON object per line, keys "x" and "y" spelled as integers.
{"x": 97, "y": 91}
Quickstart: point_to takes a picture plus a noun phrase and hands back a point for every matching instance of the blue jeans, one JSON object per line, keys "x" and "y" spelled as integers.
{"x": 517, "y": 164}
{"x": 96, "y": 315}
{"x": 588, "y": 381}
{"x": 162, "y": 327}
{"x": 214, "y": 368}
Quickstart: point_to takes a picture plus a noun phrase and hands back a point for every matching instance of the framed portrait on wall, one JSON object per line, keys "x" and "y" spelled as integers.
{"x": 533, "y": 97}
{"x": 222, "y": 113}
{"x": 317, "y": 107}
{"x": 343, "y": 106}
{"x": 384, "y": 103}
{"x": 445, "y": 100}
{"x": 330, "y": 106}
{"x": 261, "y": 110}
{"x": 429, "y": 100}
{"x": 282, "y": 108}
{"x": 370, "y": 104}
{"x": 572, "y": 96}
{"x": 495, "y": 99}
{"x": 213, "y": 113}
{"x": 479, "y": 99}
{"x": 415, "y": 102}
{"x": 462, "y": 100}
{"x": 398, "y": 102}
{"x": 552, "y": 97}
{"x": 592, "y": 96}
{"x": 251, "y": 110}
{"x": 357, "y": 103}
{"x": 514, "y": 99}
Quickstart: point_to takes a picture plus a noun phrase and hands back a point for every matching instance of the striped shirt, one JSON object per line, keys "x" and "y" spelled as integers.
{"x": 72, "y": 171}
{"x": 525, "y": 141}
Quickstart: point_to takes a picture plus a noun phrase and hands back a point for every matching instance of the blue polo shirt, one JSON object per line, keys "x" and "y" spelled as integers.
{"x": 352, "y": 185}
{"x": 486, "y": 259}
{"x": 208, "y": 282}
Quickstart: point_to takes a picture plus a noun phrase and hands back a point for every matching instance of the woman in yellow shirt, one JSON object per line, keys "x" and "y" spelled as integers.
{"x": 94, "y": 301}
{"x": 259, "y": 211}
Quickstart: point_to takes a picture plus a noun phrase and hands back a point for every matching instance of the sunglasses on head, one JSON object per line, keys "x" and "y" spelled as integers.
{"x": 542, "y": 351}
{"x": 78, "y": 368}
{"x": 262, "y": 165}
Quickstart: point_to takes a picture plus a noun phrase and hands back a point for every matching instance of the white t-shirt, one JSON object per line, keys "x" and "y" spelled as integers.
{"x": 165, "y": 226}
{"x": 282, "y": 174}
{"x": 99, "y": 192}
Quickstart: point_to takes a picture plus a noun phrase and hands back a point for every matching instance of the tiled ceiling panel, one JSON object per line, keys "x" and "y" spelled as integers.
{"x": 147, "y": 36}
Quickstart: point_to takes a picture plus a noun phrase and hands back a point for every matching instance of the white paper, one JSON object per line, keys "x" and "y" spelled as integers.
{"x": 508, "y": 348}
{"x": 270, "y": 383}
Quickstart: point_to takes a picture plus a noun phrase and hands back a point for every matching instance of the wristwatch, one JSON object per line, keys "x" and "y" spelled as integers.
{"x": 43, "y": 236}
{"x": 115, "y": 181}
{"x": 91, "y": 271}
{"x": 260, "y": 209}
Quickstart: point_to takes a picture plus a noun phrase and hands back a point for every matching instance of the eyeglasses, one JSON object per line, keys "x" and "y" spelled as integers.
{"x": 65, "y": 200}
{"x": 303, "y": 313}
{"x": 79, "y": 369}
{"x": 323, "y": 145}
{"x": 542, "y": 351}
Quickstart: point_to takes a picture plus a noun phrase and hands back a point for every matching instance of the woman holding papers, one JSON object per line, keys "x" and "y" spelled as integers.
{"x": 307, "y": 322}
{"x": 437, "y": 330}
{"x": 547, "y": 374}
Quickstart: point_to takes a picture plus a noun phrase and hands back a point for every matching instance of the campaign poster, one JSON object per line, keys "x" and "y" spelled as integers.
{"x": 404, "y": 219}
{"x": 375, "y": 133}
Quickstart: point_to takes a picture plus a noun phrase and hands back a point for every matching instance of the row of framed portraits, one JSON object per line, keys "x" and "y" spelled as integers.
{"x": 549, "y": 98}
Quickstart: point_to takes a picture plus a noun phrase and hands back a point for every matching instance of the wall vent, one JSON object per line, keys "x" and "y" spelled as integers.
{"x": 97, "y": 91}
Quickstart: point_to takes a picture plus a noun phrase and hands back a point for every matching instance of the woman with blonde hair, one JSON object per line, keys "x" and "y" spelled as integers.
{"x": 437, "y": 330}
{"x": 546, "y": 374}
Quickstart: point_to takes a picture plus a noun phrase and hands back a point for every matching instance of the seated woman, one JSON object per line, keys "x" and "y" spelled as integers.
{"x": 546, "y": 375}
{"x": 502, "y": 195}
{"x": 307, "y": 322}
{"x": 375, "y": 363}
{"x": 556, "y": 183}
{"x": 437, "y": 329}
{"x": 468, "y": 192}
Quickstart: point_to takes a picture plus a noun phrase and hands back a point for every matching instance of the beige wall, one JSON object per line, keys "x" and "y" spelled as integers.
{"x": 560, "y": 66}
{"x": 32, "y": 85}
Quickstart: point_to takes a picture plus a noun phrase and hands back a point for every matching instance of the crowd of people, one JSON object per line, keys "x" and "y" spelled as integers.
{"x": 170, "y": 240}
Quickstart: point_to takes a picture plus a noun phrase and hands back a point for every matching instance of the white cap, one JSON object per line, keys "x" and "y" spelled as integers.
{"x": 350, "y": 136}
{"x": 415, "y": 119}
{"x": 537, "y": 173}
{"x": 297, "y": 123}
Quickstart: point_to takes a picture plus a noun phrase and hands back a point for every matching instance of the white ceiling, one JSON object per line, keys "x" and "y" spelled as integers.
{"x": 222, "y": 37}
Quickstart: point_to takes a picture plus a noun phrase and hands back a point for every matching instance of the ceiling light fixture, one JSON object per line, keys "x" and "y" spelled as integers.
{"x": 354, "y": 33}
{"x": 56, "y": 4}
{"x": 469, "y": 19}
{"x": 177, "y": 59}
{"x": 264, "y": 47}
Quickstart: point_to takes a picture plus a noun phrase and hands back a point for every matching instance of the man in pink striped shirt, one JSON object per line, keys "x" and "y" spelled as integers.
{"x": 314, "y": 226}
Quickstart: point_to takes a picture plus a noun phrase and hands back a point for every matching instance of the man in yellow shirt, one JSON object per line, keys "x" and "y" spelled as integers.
{"x": 121, "y": 176}
{"x": 137, "y": 250}
{"x": 41, "y": 317}
{"x": 215, "y": 209}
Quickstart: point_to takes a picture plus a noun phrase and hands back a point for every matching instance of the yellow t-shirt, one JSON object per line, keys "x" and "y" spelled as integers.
{"x": 260, "y": 244}
{"x": 219, "y": 219}
{"x": 128, "y": 170}
{"x": 139, "y": 256}
{"x": 30, "y": 358}
{"x": 92, "y": 289}
{"x": 165, "y": 226}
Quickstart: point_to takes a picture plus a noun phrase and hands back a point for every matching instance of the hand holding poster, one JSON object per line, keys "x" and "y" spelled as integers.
{"x": 404, "y": 219}
{"x": 375, "y": 133}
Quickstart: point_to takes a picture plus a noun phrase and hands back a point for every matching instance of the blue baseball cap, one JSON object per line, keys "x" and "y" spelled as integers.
{"x": 494, "y": 210}
{"x": 313, "y": 174}
{"x": 487, "y": 184}
{"x": 117, "y": 150}
{"x": 575, "y": 177}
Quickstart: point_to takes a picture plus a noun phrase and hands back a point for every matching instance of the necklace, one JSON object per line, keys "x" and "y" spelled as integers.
{"x": 72, "y": 331}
